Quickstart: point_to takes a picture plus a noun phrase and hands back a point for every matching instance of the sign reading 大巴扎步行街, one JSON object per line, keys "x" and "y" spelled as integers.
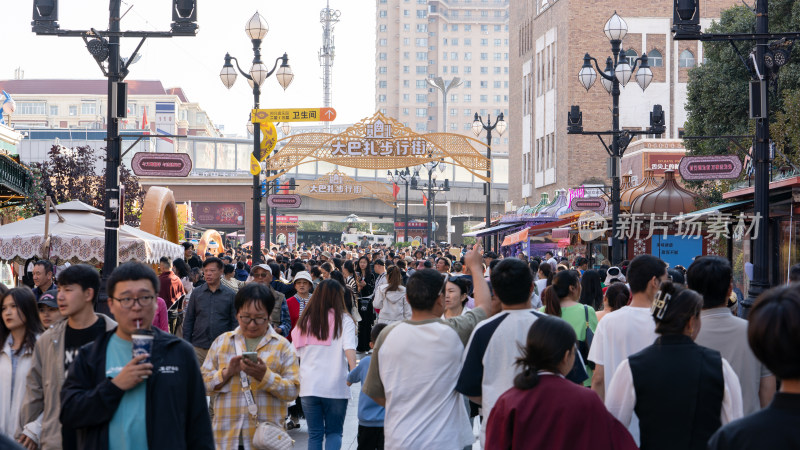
{"x": 378, "y": 143}
{"x": 294, "y": 115}
{"x": 161, "y": 164}
{"x": 710, "y": 167}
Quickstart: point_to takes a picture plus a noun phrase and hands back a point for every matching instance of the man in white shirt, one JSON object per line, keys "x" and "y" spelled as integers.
{"x": 415, "y": 366}
{"x": 548, "y": 256}
{"x": 494, "y": 347}
{"x": 629, "y": 329}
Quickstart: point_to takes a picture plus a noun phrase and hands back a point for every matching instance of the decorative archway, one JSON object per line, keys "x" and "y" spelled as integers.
{"x": 379, "y": 142}
{"x": 159, "y": 214}
{"x": 336, "y": 186}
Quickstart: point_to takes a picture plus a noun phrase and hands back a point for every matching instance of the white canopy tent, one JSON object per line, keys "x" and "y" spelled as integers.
{"x": 75, "y": 233}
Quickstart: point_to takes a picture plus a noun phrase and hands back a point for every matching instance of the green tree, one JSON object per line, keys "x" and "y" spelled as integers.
{"x": 717, "y": 92}
{"x": 70, "y": 174}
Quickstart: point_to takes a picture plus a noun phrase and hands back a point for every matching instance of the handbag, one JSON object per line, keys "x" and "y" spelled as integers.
{"x": 586, "y": 343}
{"x": 268, "y": 436}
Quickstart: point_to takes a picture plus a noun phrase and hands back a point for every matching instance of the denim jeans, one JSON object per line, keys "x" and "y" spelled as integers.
{"x": 325, "y": 419}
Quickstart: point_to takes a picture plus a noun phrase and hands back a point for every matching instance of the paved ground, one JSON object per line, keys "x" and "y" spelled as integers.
{"x": 349, "y": 442}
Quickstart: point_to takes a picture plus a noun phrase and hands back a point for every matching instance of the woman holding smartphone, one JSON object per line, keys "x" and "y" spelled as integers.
{"x": 253, "y": 357}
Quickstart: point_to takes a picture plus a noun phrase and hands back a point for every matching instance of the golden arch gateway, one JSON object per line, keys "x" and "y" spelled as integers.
{"x": 378, "y": 142}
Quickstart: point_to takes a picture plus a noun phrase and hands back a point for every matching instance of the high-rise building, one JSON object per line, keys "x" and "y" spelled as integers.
{"x": 548, "y": 41}
{"x": 417, "y": 40}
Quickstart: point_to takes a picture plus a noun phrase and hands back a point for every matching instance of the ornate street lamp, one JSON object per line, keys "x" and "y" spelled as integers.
{"x": 256, "y": 29}
{"x": 477, "y": 127}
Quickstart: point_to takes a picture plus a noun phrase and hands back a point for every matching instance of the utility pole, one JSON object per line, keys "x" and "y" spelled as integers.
{"x": 328, "y": 18}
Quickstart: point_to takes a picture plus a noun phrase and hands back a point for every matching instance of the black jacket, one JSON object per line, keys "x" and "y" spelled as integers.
{"x": 177, "y": 412}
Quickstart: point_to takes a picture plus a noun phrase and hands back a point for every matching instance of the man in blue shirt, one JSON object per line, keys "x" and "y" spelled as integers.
{"x": 370, "y": 414}
{"x": 119, "y": 402}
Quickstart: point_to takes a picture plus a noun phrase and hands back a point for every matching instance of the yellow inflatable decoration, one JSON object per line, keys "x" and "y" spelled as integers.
{"x": 269, "y": 137}
{"x": 159, "y": 214}
{"x": 210, "y": 242}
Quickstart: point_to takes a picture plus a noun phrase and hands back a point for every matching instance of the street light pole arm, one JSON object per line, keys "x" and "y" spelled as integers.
{"x": 269, "y": 74}
{"x": 244, "y": 74}
{"x": 600, "y": 72}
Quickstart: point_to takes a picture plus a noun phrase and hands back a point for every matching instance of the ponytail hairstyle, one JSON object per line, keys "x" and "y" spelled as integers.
{"x": 617, "y": 296}
{"x": 549, "y": 339}
{"x": 673, "y": 307}
{"x": 562, "y": 281}
{"x": 547, "y": 270}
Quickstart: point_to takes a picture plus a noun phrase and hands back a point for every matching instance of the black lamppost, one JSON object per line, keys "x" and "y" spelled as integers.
{"x": 617, "y": 71}
{"x": 257, "y": 29}
{"x": 400, "y": 177}
{"x": 434, "y": 168}
{"x": 767, "y": 58}
{"x": 104, "y": 46}
{"x": 477, "y": 127}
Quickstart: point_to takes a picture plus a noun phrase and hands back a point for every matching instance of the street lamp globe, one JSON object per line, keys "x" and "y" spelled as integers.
{"x": 623, "y": 69}
{"x": 434, "y": 173}
{"x": 286, "y": 128}
{"x": 644, "y": 75}
{"x": 417, "y": 168}
{"x": 250, "y": 82}
{"x": 616, "y": 28}
{"x": 389, "y": 176}
{"x": 256, "y": 27}
{"x": 251, "y": 128}
{"x": 228, "y": 73}
{"x": 501, "y": 125}
{"x": 259, "y": 73}
{"x": 587, "y": 75}
{"x": 477, "y": 126}
{"x": 442, "y": 167}
{"x": 284, "y": 74}
{"x": 608, "y": 84}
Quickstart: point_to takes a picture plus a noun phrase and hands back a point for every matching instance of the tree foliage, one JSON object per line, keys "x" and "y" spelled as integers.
{"x": 71, "y": 174}
{"x": 718, "y": 90}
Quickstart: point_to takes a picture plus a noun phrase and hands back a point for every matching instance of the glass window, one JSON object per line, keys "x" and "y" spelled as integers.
{"x": 422, "y": 13}
{"x": 406, "y": 55}
{"x": 406, "y": 97}
{"x": 422, "y": 84}
{"x": 467, "y": 42}
{"x": 496, "y": 70}
{"x": 444, "y": 56}
{"x": 54, "y": 110}
{"x": 498, "y": 56}
{"x": 421, "y": 127}
{"x": 444, "y": 69}
{"x": 497, "y": 84}
{"x": 422, "y": 112}
{"x": 686, "y": 59}
{"x": 422, "y": 70}
{"x": 454, "y": 27}
{"x": 655, "y": 59}
{"x": 382, "y": 98}
{"x": 382, "y": 56}
{"x": 467, "y": 98}
{"x": 484, "y": 70}
{"x": 382, "y": 13}
{"x": 454, "y": 41}
{"x": 406, "y": 41}
{"x": 382, "y": 84}
{"x": 73, "y": 110}
{"x": 467, "y": 69}
{"x": 422, "y": 28}
{"x": 484, "y": 42}
{"x": 406, "y": 69}
{"x": 86, "y": 108}
{"x": 382, "y": 28}
{"x": 631, "y": 56}
{"x": 422, "y": 98}
{"x": 453, "y": 112}
{"x": 467, "y": 112}
{"x": 31, "y": 108}
{"x": 422, "y": 56}
{"x": 484, "y": 84}
{"x": 468, "y": 84}
{"x": 406, "y": 27}
{"x": 484, "y": 56}
{"x": 406, "y": 13}
{"x": 467, "y": 27}
{"x": 382, "y": 42}
{"x": 405, "y": 111}
{"x": 406, "y": 83}
{"x": 453, "y": 69}
{"x": 453, "y": 56}
{"x": 382, "y": 69}
{"x": 467, "y": 56}
{"x": 484, "y": 28}
{"x": 454, "y": 97}
{"x": 422, "y": 42}
{"x": 484, "y": 98}
{"x": 497, "y": 28}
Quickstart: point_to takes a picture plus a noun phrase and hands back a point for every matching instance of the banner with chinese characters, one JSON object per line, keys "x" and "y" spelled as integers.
{"x": 336, "y": 186}
{"x": 379, "y": 143}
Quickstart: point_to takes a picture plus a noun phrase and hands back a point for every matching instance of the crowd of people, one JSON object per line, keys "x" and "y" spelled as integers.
{"x": 219, "y": 351}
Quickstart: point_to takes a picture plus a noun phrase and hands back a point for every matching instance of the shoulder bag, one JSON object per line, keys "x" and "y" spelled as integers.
{"x": 586, "y": 343}
{"x": 268, "y": 436}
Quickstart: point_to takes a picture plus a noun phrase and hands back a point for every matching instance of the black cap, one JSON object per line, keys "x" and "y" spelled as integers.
{"x": 49, "y": 298}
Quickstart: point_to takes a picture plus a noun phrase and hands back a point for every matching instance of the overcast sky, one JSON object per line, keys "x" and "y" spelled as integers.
{"x": 194, "y": 63}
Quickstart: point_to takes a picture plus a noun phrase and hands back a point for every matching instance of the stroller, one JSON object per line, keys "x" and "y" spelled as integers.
{"x": 175, "y": 315}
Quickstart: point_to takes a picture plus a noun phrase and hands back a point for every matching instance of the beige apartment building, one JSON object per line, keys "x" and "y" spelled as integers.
{"x": 548, "y": 41}
{"x": 468, "y": 39}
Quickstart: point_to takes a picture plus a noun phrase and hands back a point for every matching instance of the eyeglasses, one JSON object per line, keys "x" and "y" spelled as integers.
{"x": 127, "y": 302}
{"x": 259, "y": 275}
{"x": 444, "y": 285}
{"x": 258, "y": 320}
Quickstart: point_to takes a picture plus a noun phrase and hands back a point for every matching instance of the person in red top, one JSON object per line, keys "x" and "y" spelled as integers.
{"x": 298, "y": 302}
{"x": 542, "y": 396}
{"x": 171, "y": 287}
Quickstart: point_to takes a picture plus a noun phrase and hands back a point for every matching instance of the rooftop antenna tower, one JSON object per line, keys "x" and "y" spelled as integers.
{"x": 328, "y": 18}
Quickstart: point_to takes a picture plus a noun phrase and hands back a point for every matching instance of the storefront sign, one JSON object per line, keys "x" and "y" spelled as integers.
{"x": 710, "y": 167}
{"x": 589, "y": 204}
{"x": 218, "y": 215}
{"x": 282, "y": 221}
{"x": 411, "y": 225}
{"x": 146, "y": 164}
{"x": 284, "y": 201}
{"x": 660, "y": 163}
{"x": 336, "y": 186}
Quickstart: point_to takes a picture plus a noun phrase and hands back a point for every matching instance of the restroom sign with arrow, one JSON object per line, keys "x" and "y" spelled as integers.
{"x": 294, "y": 115}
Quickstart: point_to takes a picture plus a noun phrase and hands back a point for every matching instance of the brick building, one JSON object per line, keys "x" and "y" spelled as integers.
{"x": 548, "y": 41}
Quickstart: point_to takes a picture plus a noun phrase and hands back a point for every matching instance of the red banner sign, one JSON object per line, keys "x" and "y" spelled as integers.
{"x": 218, "y": 215}
{"x": 710, "y": 167}
{"x": 161, "y": 164}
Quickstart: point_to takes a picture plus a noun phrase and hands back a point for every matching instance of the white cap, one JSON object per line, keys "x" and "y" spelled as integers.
{"x": 303, "y": 275}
